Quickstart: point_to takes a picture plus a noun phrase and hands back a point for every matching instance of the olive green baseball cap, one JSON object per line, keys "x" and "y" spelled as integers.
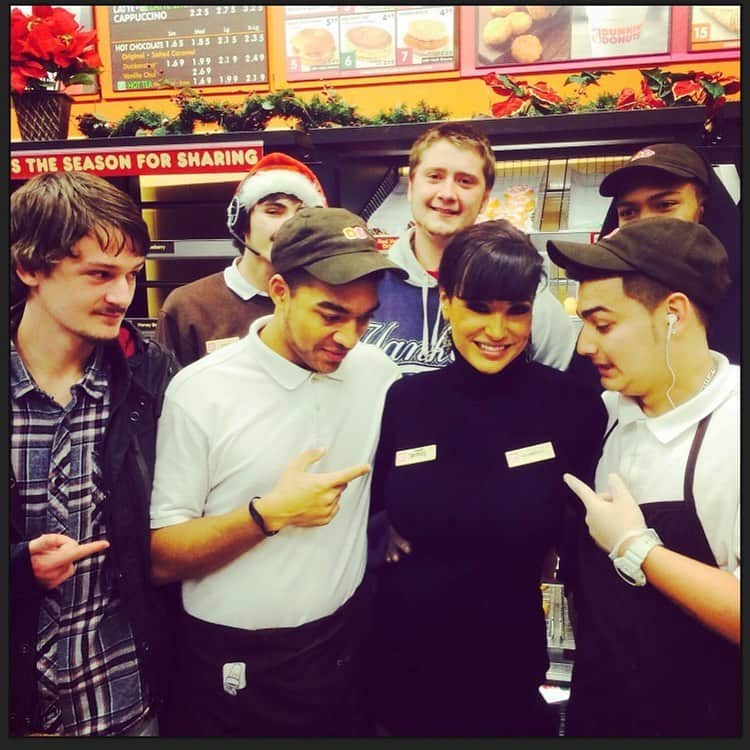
{"x": 684, "y": 256}
{"x": 332, "y": 244}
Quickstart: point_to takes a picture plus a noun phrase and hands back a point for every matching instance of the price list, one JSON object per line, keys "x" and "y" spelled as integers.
{"x": 343, "y": 41}
{"x": 187, "y": 45}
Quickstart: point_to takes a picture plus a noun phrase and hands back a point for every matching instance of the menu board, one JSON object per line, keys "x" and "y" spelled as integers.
{"x": 714, "y": 27}
{"x": 186, "y": 45}
{"x": 342, "y": 41}
{"x": 534, "y": 34}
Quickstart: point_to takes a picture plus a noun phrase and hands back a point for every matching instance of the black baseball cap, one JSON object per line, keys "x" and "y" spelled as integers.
{"x": 674, "y": 158}
{"x": 684, "y": 256}
{"x": 332, "y": 244}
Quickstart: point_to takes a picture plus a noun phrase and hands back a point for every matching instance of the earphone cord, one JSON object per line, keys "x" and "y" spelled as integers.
{"x": 243, "y": 243}
{"x": 671, "y": 372}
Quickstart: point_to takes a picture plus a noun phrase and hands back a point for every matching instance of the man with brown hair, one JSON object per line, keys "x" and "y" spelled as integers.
{"x": 451, "y": 174}
{"x": 658, "y": 620}
{"x": 89, "y": 643}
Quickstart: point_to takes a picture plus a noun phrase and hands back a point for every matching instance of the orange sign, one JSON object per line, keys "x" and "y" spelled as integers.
{"x": 137, "y": 160}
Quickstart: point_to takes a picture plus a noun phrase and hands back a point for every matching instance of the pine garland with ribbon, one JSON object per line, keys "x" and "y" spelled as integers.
{"x": 327, "y": 109}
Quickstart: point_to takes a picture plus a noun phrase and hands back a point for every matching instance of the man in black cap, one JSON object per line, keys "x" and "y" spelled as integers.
{"x": 261, "y": 496}
{"x": 673, "y": 180}
{"x": 658, "y": 622}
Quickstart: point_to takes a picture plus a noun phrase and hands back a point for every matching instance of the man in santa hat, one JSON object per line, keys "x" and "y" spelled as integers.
{"x": 216, "y": 310}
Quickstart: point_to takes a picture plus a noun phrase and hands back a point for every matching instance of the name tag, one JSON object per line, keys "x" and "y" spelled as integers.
{"x": 214, "y": 344}
{"x": 529, "y": 455}
{"x": 416, "y": 455}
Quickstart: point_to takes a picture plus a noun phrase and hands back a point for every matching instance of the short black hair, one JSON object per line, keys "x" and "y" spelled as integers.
{"x": 298, "y": 277}
{"x": 643, "y": 289}
{"x": 491, "y": 260}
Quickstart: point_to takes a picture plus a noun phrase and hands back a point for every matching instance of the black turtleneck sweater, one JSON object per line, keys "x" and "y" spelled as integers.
{"x": 459, "y": 622}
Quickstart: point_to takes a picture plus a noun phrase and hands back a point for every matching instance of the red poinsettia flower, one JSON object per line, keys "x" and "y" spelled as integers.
{"x": 626, "y": 100}
{"x": 504, "y": 84}
{"x": 545, "y": 93}
{"x": 649, "y": 98}
{"x": 691, "y": 90}
{"x": 49, "y": 48}
{"x": 510, "y": 106}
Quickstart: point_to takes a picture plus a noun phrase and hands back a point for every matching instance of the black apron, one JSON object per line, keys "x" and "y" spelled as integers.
{"x": 645, "y": 667}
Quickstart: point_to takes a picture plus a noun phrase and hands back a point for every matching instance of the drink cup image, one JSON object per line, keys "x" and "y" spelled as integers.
{"x": 615, "y": 29}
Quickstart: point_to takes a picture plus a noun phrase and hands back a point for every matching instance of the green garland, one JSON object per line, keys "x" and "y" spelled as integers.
{"x": 325, "y": 110}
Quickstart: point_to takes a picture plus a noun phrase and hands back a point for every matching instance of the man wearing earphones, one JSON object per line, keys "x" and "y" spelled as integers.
{"x": 211, "y": 312}
{"x": 673, "y": 180}
{"x": 657, "y": 620}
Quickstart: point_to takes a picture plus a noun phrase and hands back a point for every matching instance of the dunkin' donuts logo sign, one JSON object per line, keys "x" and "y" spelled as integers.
{"x": 355, "y": 233}
{"x": 619, "y": 35}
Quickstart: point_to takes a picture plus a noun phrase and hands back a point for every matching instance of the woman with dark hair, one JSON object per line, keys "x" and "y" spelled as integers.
{"x": 469, "y": 471}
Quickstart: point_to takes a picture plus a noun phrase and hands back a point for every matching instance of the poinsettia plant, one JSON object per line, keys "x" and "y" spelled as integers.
{"x": 659, "y": 88}
{"x": 524, "y": 98}
{"x": 694, "y": 87}
{"x": 50, "y": 50}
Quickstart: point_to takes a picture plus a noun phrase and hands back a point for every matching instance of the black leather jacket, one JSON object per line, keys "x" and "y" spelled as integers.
{"x": 137, "y": 391}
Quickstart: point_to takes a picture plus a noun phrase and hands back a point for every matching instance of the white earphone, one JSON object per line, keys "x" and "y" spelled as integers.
{"x": 671, "y": 323}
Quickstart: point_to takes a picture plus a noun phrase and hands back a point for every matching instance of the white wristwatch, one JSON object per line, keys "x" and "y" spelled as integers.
{"x": 628, "y": 565}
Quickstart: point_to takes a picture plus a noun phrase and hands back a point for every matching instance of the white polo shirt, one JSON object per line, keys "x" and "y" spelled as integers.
{"x": 650, "y": 454}
{"x": 230, "y": 424}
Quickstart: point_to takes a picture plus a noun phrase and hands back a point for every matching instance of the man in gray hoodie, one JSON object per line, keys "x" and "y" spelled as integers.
{"x": 451, "y": 173}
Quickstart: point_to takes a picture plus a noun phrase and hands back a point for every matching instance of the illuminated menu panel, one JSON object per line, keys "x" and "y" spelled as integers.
{"x": 536, "y": 34}
{"x": 187, "y": 45}
{"x": 344, "y": 41}
{"x": 714, "y": 27}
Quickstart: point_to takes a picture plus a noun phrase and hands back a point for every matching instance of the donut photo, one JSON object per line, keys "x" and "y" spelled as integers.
{"x": 522, "y": 34}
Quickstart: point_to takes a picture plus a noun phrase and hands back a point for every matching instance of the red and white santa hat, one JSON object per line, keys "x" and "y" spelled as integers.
{"x": 279, "y": 173}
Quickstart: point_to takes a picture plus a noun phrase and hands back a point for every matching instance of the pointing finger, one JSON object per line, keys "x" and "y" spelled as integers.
{"x": 584, "y": 492}
{"x": 346, "y": 475}
{"x": 88, "y": 549}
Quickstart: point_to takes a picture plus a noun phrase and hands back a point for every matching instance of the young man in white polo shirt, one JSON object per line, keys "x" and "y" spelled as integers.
{"x": 261, "y": 496}
{"x": 658, "y": 622}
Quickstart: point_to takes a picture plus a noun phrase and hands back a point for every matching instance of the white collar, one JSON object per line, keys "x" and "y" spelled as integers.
{"x": 666, "y": 427}
{"x": 287, "y": 374}
{"x": 238, "y": 283}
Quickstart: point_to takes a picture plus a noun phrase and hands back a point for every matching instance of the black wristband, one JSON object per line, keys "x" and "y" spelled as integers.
{"x": 256, "y": 516}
